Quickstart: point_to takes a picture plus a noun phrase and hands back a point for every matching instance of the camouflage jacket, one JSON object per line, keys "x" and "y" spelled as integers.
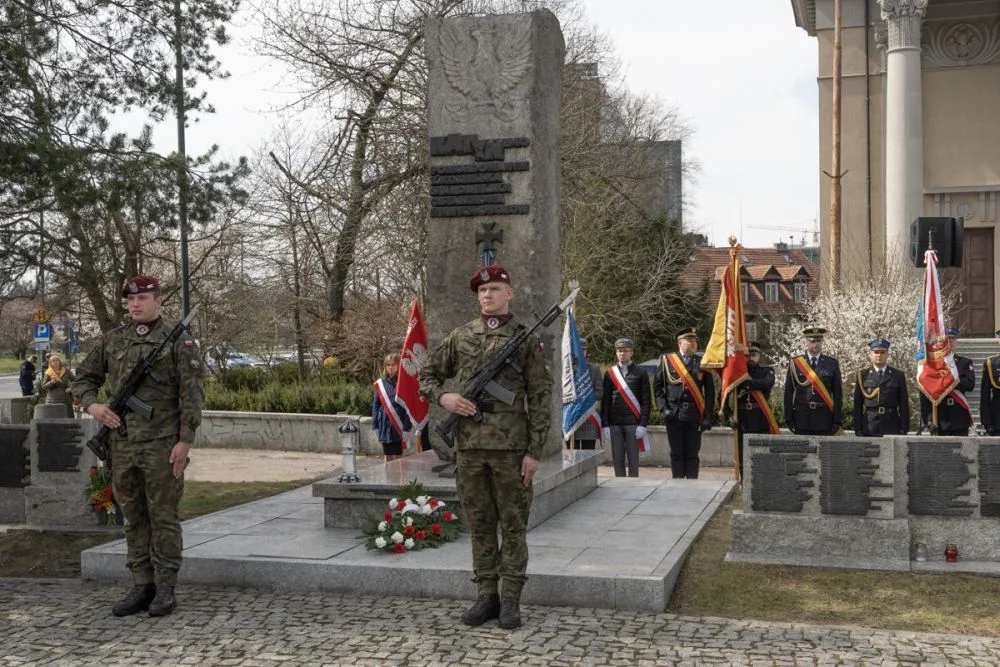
{"x": 176, "y": 394}
{"x": 523, "y": 426}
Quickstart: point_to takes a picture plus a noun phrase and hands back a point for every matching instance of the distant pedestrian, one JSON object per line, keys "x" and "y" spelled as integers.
{"x": 56, "y": 383}
{"x": 390, "y": 423}
{"x": 26, "y": 376}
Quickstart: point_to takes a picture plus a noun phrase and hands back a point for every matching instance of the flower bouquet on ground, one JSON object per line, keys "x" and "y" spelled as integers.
{"x": 414, "y": 520}
{"x": 101, "y": 495}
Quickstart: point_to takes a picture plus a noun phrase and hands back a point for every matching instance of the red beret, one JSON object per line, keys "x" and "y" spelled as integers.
{"x": 493, "y": 273}
{"x": 140, "y": 284}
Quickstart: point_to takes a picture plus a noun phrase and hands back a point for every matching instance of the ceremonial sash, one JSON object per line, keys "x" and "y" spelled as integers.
{"x": 630, "y": 400}
{"x": 390, "y": 410}
{"x": 989, "y": 372}
{"x": 772, "y": 423}
{"x": 678, "y": 365}
{"x": 813, "y": 379}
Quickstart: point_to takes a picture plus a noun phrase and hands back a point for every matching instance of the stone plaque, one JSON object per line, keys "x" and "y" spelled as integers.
{"x": 989, "y": 479}
{"x": 59, "y": 446}
{"x": 848, "y": 478}
{"x": 939, "y": 478}
{"x": 780, "y": 477}
{"x": 15, "y": 459}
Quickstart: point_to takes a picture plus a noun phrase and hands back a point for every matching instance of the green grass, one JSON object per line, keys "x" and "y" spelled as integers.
{"x": 9, "y": 365}
{"x": 709, "y": 586}
{"x": 57, "y": 554}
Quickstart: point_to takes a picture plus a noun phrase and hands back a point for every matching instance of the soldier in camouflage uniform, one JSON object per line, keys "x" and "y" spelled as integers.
{"x": 498, "y": 456}
{"x": 149, "y": 460}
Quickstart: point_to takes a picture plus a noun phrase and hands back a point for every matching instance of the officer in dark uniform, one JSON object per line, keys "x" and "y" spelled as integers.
{"x": 953, "y": 415}
{"x": 806, "y": 412}
{"x": 622, "y": 427}
{"x": 753, "y": 417}
{"x": 680, "y": 407}
{"x": 989, "y": 396}
{"x": 881, "y": 402}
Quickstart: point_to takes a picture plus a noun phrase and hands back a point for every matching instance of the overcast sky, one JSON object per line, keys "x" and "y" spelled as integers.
{"x": 740, "y": 71}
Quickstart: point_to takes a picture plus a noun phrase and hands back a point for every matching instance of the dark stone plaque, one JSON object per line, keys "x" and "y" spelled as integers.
{"x": 59, "y": 446}
{"x": 777, "y": 485}
{"x": 989, "y": 480}
{"x": 937, "y": 471}
{"x": 476, "y": 189}
{"x": 847, "y": 477}
{"x": 15, "y": 459}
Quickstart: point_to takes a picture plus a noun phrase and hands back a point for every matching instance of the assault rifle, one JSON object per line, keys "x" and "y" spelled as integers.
{"x": 483, "y": 381}
{"x": 125, "y": 400}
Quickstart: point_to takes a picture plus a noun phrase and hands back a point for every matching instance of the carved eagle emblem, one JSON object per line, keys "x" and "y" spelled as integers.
{"x": 486, "y": 63}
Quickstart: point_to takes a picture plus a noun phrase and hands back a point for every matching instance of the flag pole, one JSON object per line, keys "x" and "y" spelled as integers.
{"x": 736, "y": 438}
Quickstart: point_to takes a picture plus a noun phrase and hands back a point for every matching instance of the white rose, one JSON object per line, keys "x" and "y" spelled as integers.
{"x": 393, "y": 503}
{"x": 397, "y": 537}
{"x": 382, "y": 526}
{"x": 421, "y": 500}
{"x": 409, "y": 521}
{"x": 380, "y": 542}
{"x": 408, "y": 543}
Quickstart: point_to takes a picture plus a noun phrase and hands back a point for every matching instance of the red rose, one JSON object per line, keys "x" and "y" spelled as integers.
{"x": 408, "y": 530}
{"x": 448, "y": 516}
{"x": 399, "y": 548}
{"x": 93, "y": 469}
{"x": 436, "y": 528}
{"x": 388, "y": 516}
{"x": 421, "y": 535}
{"x": 434, "y": 503}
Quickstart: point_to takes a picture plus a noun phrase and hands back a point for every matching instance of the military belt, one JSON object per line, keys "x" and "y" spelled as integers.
{"x": 880, "y": 409}
{"x": 950, "y": 401}
{"x": 685, "y": 405}
{"x": 815, "y": 405}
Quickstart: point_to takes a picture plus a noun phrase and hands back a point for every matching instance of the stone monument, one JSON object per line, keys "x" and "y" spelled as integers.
{"x": 493, "y": 111}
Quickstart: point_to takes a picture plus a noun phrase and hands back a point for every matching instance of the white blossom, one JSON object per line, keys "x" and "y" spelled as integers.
{"x": 408, "y": 543}
{"x": 409, "y": 521}
{"x": 426, "y": 510}
{"x": 393, "y": 503}
{"x": 397, "y": 537}
{"x": 380, "y": 542}
{"x": 422, "y": 500}
{"x": 382, "y": 526}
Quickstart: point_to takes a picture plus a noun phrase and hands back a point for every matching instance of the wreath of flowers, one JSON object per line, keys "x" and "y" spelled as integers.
{"x": 414, "y": 520}
{"x": 101, "y": 495}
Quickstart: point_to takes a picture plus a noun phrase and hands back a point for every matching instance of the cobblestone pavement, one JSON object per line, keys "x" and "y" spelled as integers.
{"x": 66, "y": 622}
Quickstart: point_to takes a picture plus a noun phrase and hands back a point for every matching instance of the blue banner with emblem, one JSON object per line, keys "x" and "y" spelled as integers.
{"x": 579, "y": 399}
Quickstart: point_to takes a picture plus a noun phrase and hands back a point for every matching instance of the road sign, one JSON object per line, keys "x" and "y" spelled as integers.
{"x": 41, "y": 345}
{"x": 43, "y": 332}
{"x": 41, "y": 316}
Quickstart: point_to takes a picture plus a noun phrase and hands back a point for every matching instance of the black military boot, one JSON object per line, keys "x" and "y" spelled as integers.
{"x": 138, "y": 599}
{"x": 510, "y": 613}
{"x": 485, "y": 608}
{"x": 163, "y": 604}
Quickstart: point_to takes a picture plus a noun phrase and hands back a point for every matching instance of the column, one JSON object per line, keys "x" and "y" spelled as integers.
{"x": 904, "y": 128}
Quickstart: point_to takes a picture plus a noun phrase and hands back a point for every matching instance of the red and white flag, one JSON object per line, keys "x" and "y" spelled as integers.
{"x": 413, "y": 358}
{"x": 937, "y": 374}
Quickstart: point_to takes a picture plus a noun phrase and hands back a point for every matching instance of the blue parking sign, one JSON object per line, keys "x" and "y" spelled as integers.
{"x": 43, "y": 332}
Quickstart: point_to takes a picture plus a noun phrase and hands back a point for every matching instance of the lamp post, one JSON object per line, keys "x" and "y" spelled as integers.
{"x": 349, "y": 436}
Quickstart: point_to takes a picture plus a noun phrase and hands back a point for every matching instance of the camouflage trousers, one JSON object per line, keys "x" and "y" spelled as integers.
{"x": 150, "y": 497}
{"x": 492, "y": 492}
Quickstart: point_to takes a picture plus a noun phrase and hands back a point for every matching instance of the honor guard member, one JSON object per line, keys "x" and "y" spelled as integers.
{"x": 954, "y": 417}
{"x": 881, "y": 402}
{"x": 814, "y": 394}
{"x": 989, "y": 396}
{"x": 685, "y": 395}
{"x": 148, "y": 457}
{"x": 753, "y": 410}
{"x": 625, "y": 409}
{"x": 497, "y": 456}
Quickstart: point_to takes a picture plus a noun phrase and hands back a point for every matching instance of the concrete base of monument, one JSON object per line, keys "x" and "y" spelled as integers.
{"x": 561, "y": 479}
{"x": 820, "y": 541}
{"x": 620, "y": 546}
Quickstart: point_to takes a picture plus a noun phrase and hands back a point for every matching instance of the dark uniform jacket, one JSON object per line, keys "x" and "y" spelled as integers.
{"x": 989, "y": 397}
{"x": 522, "y": 427}
{"x": 26, "y": 376}
{"x": 951, "y": 414}
{"x": 881, "y": 406}
{"x": 614, "y": 409}
{"x": 804, "y": 408}
{"x": 751, "y": 417}
{"x": 672, "y": 396}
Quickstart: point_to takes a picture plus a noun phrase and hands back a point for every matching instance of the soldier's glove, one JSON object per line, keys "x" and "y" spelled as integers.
{"x": 606, "y": 434}
{"x": 732, "y": 424}
{"x": 640, "y": 432}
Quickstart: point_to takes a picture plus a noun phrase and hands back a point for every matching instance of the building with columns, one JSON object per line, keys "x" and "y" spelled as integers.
{"x": 920, "y": 133}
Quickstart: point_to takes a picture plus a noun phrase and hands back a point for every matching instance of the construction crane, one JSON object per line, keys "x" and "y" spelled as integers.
{"x": 801, "y": 230}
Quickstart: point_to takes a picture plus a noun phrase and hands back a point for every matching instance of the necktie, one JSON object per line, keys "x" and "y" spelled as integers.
{"x": 880, "y": 375}
{"x": 812, "y": 362}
